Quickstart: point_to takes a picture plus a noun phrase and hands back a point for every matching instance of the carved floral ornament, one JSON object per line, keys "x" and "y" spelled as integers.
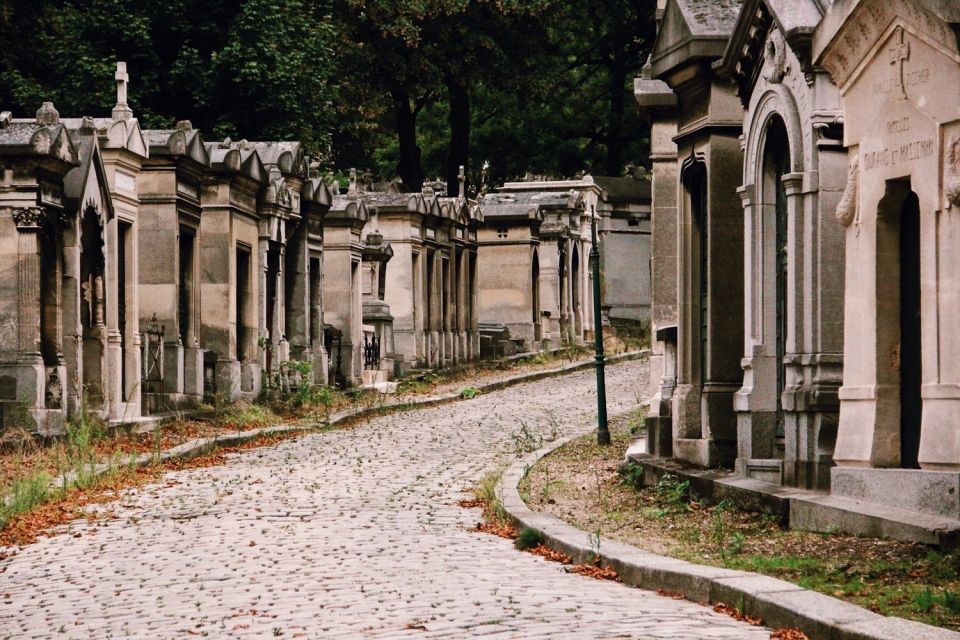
{"x": 847, "y": 208}
{"x": 29, "y": 218}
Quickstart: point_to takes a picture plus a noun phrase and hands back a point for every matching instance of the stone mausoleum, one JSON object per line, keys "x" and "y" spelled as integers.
{"x": 834, "y": 371}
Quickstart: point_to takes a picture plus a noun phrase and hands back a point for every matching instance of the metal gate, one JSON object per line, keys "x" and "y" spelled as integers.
{"x": 371, "y": 352}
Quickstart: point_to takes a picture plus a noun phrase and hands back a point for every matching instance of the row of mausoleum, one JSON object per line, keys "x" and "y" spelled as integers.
{"x": 150, "y": 270}
{"x": 804, "y": 191}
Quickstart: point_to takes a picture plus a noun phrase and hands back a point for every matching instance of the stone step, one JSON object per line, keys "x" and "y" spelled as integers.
{"x": 827, "y": 513}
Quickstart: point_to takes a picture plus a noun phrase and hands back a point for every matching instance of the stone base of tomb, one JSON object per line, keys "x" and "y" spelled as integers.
{"x": 659, "y": 436}
{"x": 934, "y": 493}
{"x": 819, "y": 511}
{"x": 703, "y": 425}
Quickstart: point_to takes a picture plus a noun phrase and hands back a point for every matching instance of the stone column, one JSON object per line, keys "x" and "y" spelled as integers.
{"x": 29, "y": 223}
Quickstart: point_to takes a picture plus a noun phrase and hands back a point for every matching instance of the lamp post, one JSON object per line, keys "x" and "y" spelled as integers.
{"x": 603, "y": 433}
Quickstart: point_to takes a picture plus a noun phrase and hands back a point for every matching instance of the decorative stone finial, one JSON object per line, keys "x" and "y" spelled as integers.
{"x": 5, "y": 118}
{"x": 88, "y": 125}
{"x": 353, "y": 181}
{"x": 184, "y": 125}
{"x": 47, "y": 114}
{"x": 462, "y": 180}
{"x": 313, "y": 169}
{"x": 122, "y": 111}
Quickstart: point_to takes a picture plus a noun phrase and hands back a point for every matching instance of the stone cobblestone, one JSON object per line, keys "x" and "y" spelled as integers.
{"x": 345, "y": 534}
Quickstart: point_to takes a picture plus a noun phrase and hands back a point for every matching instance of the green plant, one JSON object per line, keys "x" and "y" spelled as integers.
{"x": 527, "y": 439}
{"x": 719, "y": 528}
{"x": 631, "y": 475}
{"x": 595, "y": 540}
{"x": 951, "y": 601}
{"x": 529, "y": 538}
{"x": 27, "y": 493}
{"x": 468, "y": 393}
{"x": 486, "y": 492}
{"x": 924, "y": 600}
{"x": 675, "y": 492}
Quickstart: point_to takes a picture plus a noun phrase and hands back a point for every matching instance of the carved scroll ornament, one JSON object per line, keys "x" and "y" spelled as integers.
{"x": 951, "y": 178}
{"x": 847, "y": 208}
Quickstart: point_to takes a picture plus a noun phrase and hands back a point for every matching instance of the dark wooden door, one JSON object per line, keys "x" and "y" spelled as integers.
{"x": 911, "y": 404}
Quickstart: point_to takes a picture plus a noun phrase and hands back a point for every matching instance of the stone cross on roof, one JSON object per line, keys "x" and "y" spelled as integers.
{"x": 122, "y": 111}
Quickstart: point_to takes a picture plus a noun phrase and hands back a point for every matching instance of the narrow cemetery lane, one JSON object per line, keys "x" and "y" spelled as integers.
{"x": 352, "y": 534}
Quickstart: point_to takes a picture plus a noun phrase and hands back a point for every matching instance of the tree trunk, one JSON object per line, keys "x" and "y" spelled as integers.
{"x": 406, "y": 123}
{"x": 617, "y": 68}
{"x": 459, "y": 118}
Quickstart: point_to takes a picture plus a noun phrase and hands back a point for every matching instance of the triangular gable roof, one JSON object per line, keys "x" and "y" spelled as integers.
{"x": 77, "y": 183}
{"x": 26, "y": 137}
{"x": 693, "y": 30}
{"x": 182, "y": 141}
{"x": 119, "y": 134}
{"x": 316, "y": 191}
{"x": 287, "y": 155}
{"x": 236, "y": 158}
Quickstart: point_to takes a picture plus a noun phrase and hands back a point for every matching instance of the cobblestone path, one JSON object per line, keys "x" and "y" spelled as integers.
{"x": 343, "y": 534}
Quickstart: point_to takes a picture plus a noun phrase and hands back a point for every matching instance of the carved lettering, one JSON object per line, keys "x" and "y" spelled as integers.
{"x": 899, "y": 154}
{"x": 913, "y": 78}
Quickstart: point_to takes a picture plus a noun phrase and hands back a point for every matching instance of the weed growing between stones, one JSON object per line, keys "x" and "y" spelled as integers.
{"x": 529, "y": 538}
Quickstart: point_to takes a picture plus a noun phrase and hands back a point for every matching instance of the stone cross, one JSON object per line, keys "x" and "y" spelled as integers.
{"x": 899, "y": 53}
{"x": 122, "y": 111}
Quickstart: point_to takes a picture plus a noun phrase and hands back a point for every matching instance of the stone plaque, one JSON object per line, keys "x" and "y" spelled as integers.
{"x": 8, "y": 388}
{"x": 126, "y": 182}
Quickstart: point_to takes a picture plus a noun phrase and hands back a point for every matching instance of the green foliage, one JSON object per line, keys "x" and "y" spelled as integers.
{"x": 398, "y": 86}
{"x": 725, "y": 545}
{"x": 26, "y": 493}
{"x": 468, "y": 393}
{"x": 631, "y": 475}
{"x": 924, "y": 600}
{"x": 675, "y": 492}
{"x": 529, "y": 538}
{"x": 82, "y": 432}
{"x": 256, "y": 69}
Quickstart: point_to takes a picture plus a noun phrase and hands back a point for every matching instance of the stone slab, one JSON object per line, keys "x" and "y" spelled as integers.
{"x": 935, "y": 493}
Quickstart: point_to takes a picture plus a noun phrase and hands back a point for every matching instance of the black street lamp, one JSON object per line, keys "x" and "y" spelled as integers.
{"x": 603, "y": 432}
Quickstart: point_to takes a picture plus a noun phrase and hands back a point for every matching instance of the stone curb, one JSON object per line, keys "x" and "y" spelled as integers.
{"x": 778, "y": 603}
{"x": 200, "y": 446}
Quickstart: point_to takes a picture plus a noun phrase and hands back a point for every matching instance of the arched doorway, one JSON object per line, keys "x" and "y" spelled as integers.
{"x": 898, "y": 321}
{"x": 776, "y": 164}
